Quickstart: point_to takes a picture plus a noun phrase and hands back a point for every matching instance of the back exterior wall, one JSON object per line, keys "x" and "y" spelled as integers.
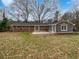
{"x": 27, "y": 28}
{"x": 22, "y": 29}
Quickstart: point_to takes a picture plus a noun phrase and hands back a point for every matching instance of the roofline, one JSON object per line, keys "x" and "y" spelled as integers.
{"x": 41, "y": 24}
{"x": 66, "y": 21}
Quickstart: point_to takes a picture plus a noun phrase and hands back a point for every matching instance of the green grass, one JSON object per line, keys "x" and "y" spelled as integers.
{"x": 27, "y": 46}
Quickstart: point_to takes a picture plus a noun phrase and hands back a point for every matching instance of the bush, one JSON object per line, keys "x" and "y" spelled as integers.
{"x": 4, "y": 25}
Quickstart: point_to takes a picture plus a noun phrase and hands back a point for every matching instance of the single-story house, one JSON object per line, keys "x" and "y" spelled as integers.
{"x": 54, "y": 27}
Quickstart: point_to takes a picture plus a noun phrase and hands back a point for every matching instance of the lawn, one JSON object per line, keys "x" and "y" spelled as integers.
{"x": 27, "y": 46}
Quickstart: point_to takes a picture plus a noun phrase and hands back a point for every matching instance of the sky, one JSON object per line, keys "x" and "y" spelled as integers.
{"x": 64, "y": 5}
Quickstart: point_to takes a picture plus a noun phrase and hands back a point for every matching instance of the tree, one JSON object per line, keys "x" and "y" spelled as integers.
{"x": 20, "y": 9}
{"x": 42, "y": 10}
{"x": 57, "y": 16}
{"x": 76, "y": 19}
{"x": 4, "y": 25}
{"x": 38, "y": 11}
{"x": 67, "y": 16}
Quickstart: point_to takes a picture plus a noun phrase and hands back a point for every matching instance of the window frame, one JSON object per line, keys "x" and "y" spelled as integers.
{"x": 63, "y": 26}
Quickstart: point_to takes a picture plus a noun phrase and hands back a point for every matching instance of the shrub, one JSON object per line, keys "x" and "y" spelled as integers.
{"x": 4, "y": 25}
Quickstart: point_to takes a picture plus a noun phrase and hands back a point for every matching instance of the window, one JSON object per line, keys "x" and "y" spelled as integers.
{"x": 63, "y": 27}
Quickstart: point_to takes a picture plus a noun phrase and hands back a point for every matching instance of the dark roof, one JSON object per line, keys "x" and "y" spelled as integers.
{"x": 37, "y": 24}
{"x": 27, "y": 24}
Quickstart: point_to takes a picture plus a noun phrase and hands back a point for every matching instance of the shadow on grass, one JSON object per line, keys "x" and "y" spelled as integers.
{"x": 73, "y": 33}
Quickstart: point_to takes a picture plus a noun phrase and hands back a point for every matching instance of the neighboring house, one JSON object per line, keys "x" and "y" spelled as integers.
{"x": 55, "y": 27}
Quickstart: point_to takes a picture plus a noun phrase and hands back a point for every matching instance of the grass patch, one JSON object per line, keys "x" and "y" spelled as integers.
{"x": 27, "y": 46}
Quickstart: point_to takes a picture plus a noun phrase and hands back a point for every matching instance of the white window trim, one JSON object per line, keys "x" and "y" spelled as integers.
{"x": 66, "y": 27}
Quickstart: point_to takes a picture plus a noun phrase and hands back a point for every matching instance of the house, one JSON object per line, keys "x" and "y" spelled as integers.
{"x": 54, "y": 27}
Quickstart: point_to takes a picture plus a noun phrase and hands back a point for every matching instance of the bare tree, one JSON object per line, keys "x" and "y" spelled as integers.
{"x": 68, "y": 16}
{"x": 41, "y": 10}
{"x": 20, "y": 9}
{"x": 57, "y": 16}
{"x": 76, "y": 19}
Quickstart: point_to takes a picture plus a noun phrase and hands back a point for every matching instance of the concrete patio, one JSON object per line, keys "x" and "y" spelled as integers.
{"x": 38, "y": 33}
